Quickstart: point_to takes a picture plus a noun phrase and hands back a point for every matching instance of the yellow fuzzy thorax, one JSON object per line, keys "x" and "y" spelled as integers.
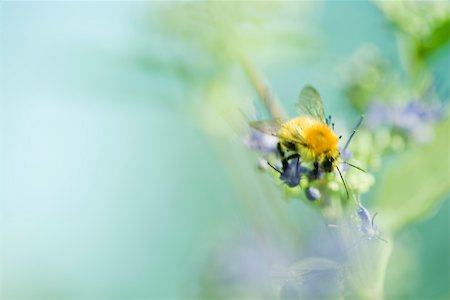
{"x": 313, "y": 139}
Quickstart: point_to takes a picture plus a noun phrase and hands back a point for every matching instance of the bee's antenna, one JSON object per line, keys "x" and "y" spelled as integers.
{"x": 273, "y": 167}
{"x": 356, "y": 167}
{"x": 354, "y": 131}
{"x": 343, "y": 181}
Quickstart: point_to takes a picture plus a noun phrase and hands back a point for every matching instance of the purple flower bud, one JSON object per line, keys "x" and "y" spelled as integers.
{"x": 315, "y": 174}
{"x": 346, "y": 155}
{"x": 264, "y": 143}
{"x": 413, "y": 117}
{"x": 292, "y": 171}
{"x": 367, "y": 227}
{"x": 363, "y": 215}
{"x": 312, "y": 193}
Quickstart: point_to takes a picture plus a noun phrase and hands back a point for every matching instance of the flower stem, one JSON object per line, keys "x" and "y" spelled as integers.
{"x": 264, "y": 93}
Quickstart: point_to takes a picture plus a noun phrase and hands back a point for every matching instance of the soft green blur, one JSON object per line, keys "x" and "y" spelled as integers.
{"x": 124, "y": 172}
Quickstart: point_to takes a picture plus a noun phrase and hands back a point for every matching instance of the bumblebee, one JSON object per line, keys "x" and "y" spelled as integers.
{"x": 310, "y": 136}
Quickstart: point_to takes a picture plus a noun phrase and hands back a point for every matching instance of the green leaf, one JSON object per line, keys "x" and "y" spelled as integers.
{"x": 414, "y": 185}
{"x": 438, "y": 37}
{"x": 366, "y": 268}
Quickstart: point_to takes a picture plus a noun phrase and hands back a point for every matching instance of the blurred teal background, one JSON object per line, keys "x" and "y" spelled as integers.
{"x": 111, "y": 188}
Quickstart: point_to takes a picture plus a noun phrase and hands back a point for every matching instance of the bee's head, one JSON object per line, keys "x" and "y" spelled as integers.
{"x": 327, "y": 163}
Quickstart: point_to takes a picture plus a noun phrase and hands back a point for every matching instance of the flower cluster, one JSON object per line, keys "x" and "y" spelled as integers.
{"x": 264, "y": 143}
{"x": 411, "y": 119}
{"x": 305, "y": 178}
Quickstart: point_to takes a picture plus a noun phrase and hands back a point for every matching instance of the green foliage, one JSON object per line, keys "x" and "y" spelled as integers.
{"x": 416, "y": 182}
{"x": 366, "y": 271}
{"x": 367, "y": 74}
{"x": 423, "y": 28}
{"x": 222, "y": 41}
{"x": 439, "y": 36}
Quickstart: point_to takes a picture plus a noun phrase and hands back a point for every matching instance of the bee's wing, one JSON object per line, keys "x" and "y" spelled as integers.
{"x": 310, "y": 103}
{"x": 271, "y": 127}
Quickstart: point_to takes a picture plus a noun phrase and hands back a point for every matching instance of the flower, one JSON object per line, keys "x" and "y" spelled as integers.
{"x": 312, "y": 193}
{"x": 412, "y": 118}
{"x": 367, "y": 225}
{"x": 291, "y": 175}
{"x": 240, "y": 266}
{"x": 264, "y": 143}
{"x": 346, "y": 154}
{"x": 292, "y": 171}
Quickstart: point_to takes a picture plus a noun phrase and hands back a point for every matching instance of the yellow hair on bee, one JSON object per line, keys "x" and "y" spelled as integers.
{"x": 321, "y": 139}
{"x": 313, "y": 138}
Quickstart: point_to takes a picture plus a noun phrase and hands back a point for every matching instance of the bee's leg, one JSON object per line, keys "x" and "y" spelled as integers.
{"x": 292, "y": 156}
{"x": 273, "y": 167}
{"x": 284, "y": 161}
{"x": 280, "y": 149}
{"x": 315, "y": 171}
{"x": 285, "y": 164}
